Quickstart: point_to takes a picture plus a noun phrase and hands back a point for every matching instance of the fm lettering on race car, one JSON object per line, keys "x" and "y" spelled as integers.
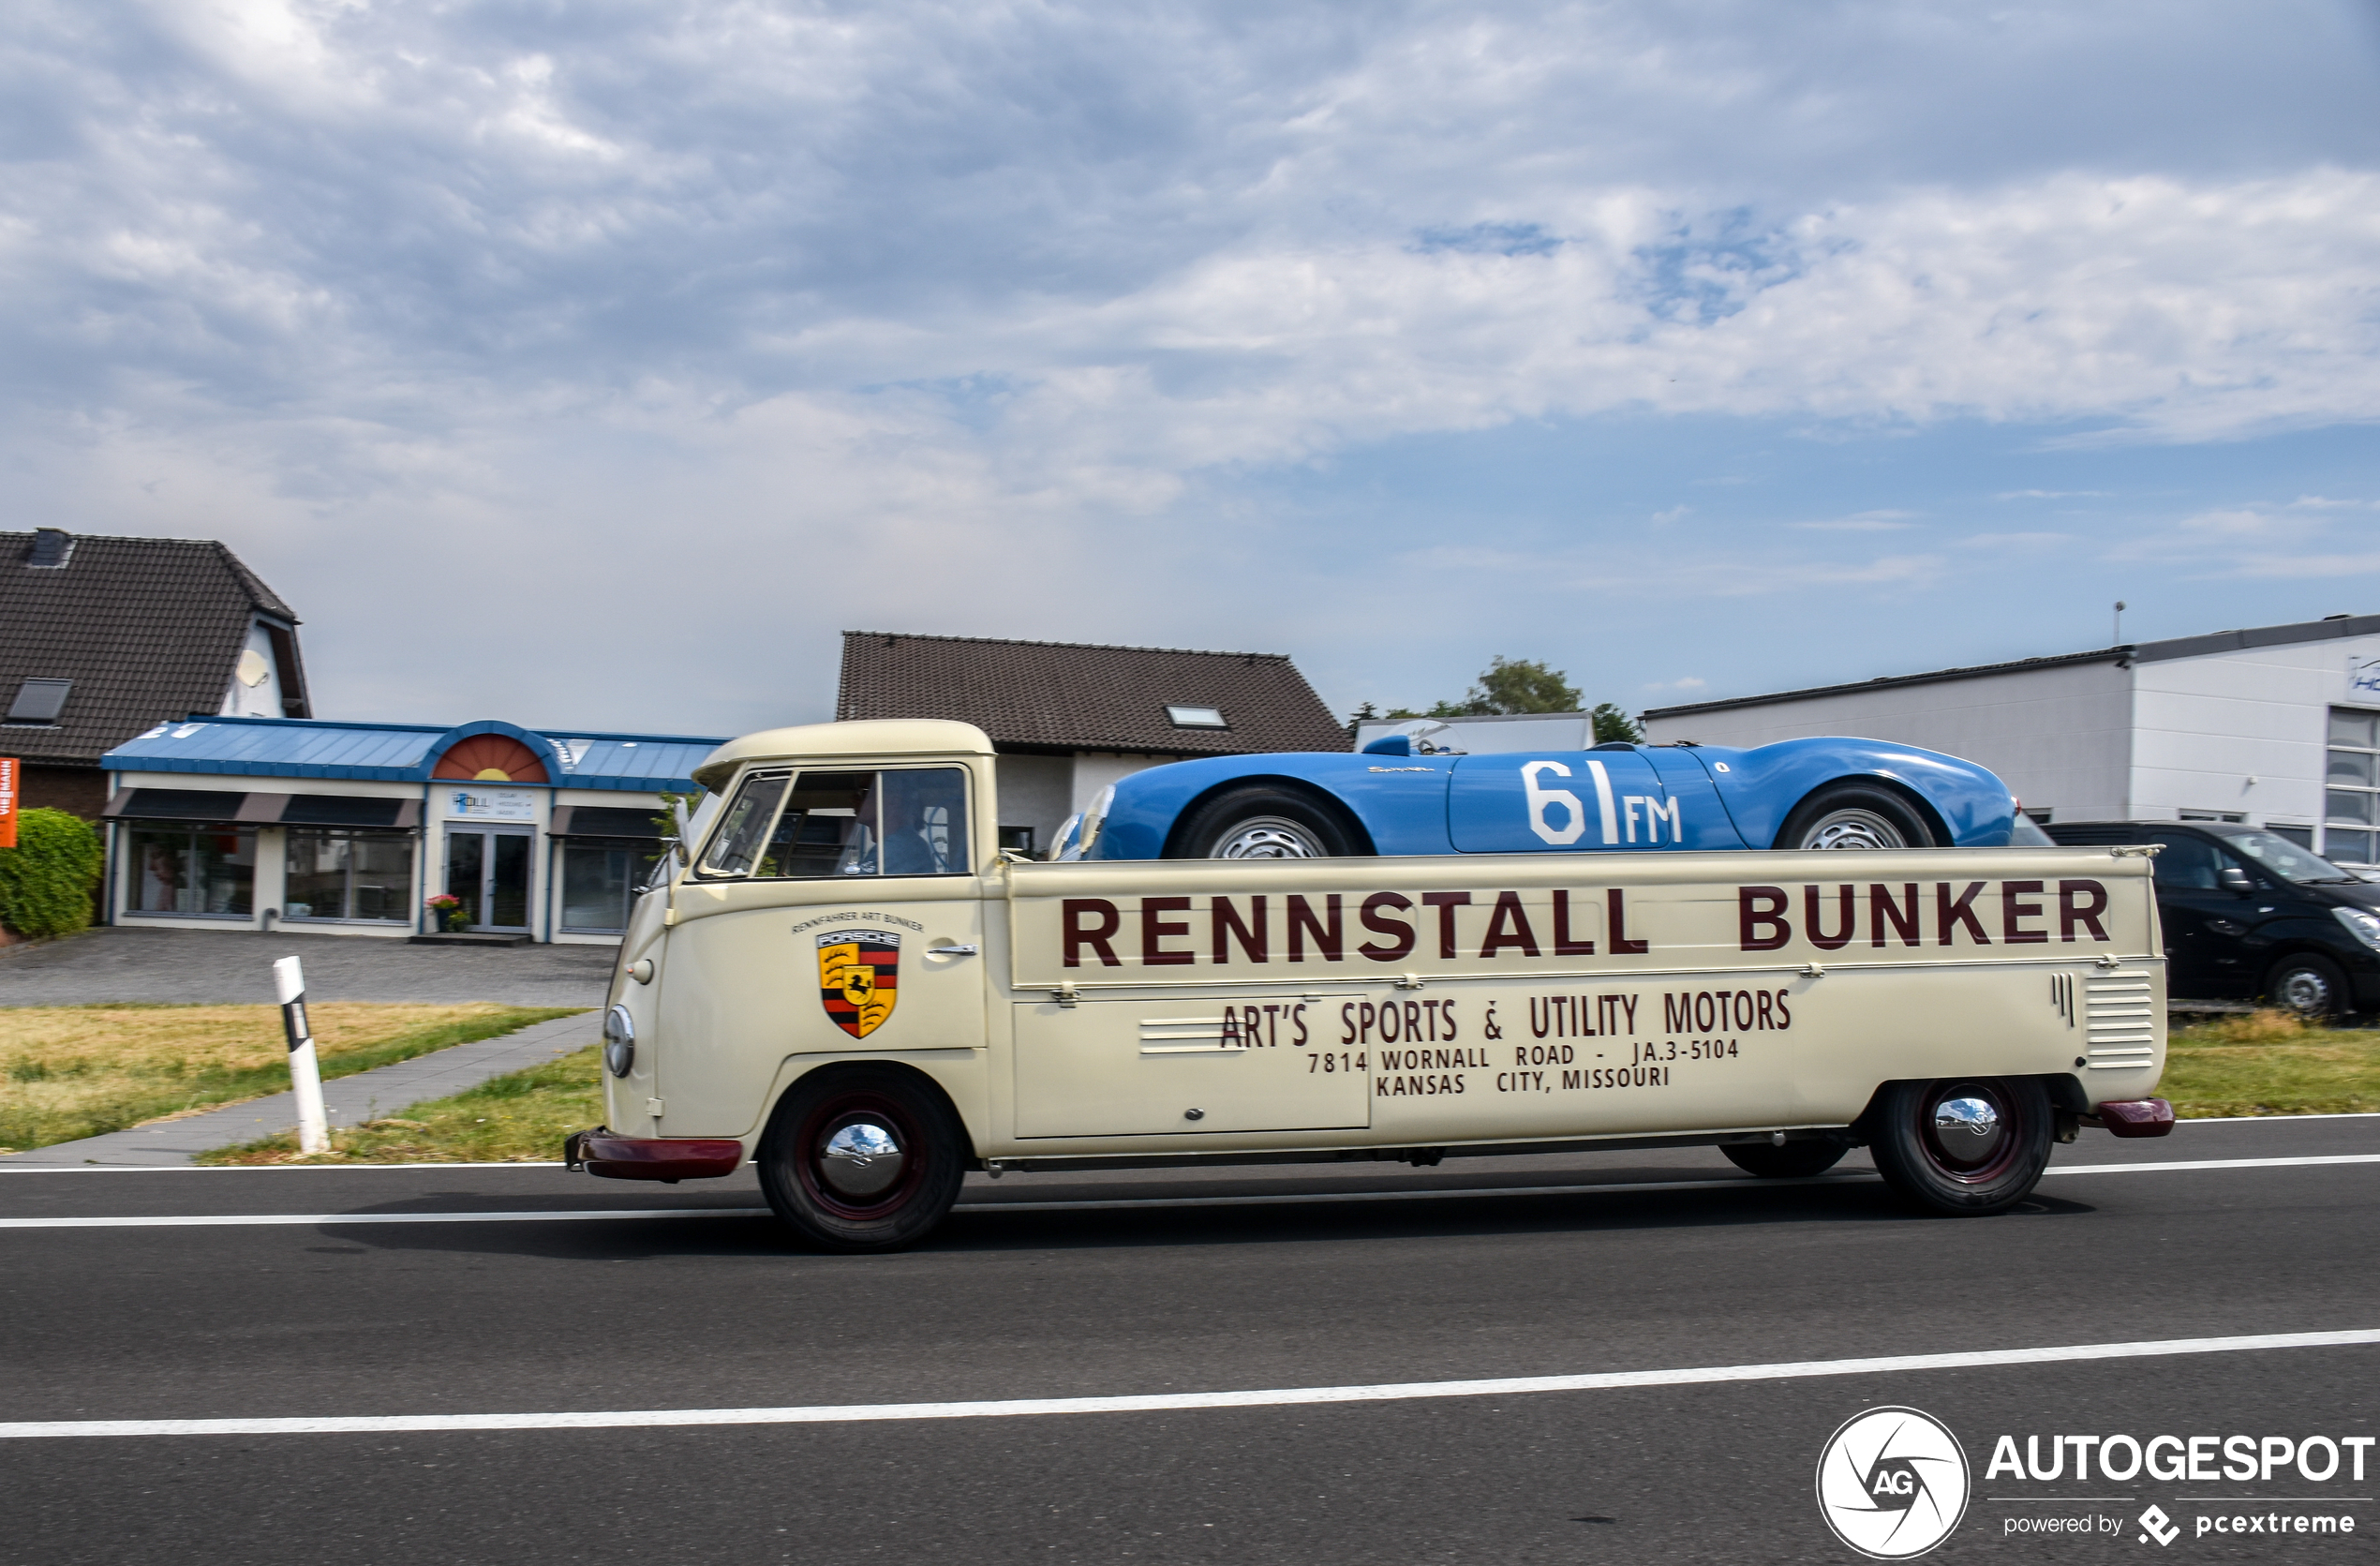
{"x": 1622, "y": 817}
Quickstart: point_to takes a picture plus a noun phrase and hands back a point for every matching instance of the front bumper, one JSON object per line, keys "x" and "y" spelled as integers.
{"x": 669, "y": 1159}
{"x": 2134, "y": 1117}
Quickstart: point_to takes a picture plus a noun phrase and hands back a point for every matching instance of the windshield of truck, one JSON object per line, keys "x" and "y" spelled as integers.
{"x": 2287, "y": 861}
{"x": 909, "y": 821}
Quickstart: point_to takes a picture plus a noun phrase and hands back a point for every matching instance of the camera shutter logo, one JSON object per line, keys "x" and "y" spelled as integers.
{"x": 1893, "y": 1483}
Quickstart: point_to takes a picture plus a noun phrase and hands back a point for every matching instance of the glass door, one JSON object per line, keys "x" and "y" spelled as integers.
{"x": 488, "y": 869}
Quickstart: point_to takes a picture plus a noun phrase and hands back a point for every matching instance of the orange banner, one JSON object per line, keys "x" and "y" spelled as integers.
{"x": 8, "y": 801}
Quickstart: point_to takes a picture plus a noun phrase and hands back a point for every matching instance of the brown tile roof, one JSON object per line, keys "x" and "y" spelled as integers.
{"x": 1065, "y": 696}
{"x": 147, "y": 629}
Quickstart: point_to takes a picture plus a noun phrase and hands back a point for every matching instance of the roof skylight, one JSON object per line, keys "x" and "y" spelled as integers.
{"x": 40, "y": 701}
{"x": 1196, "y": 717}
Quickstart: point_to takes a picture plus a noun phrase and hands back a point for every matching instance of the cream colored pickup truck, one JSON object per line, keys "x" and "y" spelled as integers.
{"x": 838, "y": 980}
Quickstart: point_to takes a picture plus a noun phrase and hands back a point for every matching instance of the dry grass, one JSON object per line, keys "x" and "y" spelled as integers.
{"x": 74, "y": 1071}
{"x": 521, "y": 1118}
{"x": 2270, "y": 1063}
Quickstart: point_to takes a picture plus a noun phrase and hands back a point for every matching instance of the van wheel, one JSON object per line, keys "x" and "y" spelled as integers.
{"x": 1854, "y": 815}
{"x": 2310, "y": 987}
{"x": 1795, "y": 1161}
{"x": 863, "y": 1159}
{"x": 1263, "y": 823}
{"x": 1965, "y": 1147}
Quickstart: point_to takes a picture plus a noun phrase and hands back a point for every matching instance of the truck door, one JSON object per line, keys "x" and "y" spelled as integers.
{"x": 832, "y": 911}
{"x": 1524, "y": 802}
{"x": 1208, "y": 1064}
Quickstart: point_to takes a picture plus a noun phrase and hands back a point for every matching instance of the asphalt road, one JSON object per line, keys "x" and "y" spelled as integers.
{"x": 524, "y": 1315}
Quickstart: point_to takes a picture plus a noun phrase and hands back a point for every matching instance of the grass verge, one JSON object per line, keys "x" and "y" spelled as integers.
{"x": 74, "y": 1071}
{"x": 2269, "y": 1063}
{"x": 520, "y": 1118}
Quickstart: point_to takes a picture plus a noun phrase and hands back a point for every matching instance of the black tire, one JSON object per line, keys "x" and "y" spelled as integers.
{"x": 1795, "y": 1161}
{"x": 1941, "y": 1165}
{"x": 1853, "y": 813}
{"x": 818, "y": 1194}
{"x": 1263, "y": 822}
{"x": 2310, "y": 987}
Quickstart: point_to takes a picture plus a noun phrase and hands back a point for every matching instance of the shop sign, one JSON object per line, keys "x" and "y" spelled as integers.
{"x": 491, "y": 804}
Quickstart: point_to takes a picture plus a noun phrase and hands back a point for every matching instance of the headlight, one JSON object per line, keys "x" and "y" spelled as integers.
{"x": 619, "y": 1039}
{"x": 2364, "y": 927}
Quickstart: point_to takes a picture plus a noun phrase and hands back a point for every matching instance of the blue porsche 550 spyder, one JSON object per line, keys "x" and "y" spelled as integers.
{"x": 1400, "y": 796}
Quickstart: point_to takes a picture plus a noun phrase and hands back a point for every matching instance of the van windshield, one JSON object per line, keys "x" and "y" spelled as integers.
{"x": 2287, "y": 861}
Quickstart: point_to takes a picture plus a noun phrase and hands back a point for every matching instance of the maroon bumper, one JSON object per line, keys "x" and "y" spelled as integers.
{"x": 2134, "y": 1117}
{"x": 665, "y": 1158}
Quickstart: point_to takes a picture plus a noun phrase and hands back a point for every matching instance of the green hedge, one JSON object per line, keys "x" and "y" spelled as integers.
{"x": 45, "y": 879}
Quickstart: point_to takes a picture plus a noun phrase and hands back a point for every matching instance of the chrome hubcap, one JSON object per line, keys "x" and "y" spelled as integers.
{"x": 1967, "y": 1130}
{"x": 1853, "y": 829}
{"x": 860, "y": 1159}
{"x": 1268, "y": 837}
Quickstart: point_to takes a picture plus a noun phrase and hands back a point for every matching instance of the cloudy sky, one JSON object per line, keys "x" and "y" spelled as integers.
{"x": 595, "y": 364}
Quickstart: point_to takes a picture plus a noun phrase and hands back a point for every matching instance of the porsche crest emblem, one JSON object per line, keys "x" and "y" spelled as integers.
{"x": 858, "y": 977}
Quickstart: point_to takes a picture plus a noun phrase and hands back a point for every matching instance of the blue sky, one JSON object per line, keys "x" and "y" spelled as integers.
{"x": 596, "y": 363}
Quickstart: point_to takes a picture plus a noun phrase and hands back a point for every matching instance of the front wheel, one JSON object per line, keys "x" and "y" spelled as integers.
{"x": 863, "y": 1159}
{"x": 2310, "y": 987}
{"x": 1260, "y": 822}
{"x": 1964, "y": 1146}
{"x": 1854, "y": 815}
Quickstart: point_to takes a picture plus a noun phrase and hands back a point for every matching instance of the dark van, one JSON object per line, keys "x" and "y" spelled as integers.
{"x": 2251, "y": 916}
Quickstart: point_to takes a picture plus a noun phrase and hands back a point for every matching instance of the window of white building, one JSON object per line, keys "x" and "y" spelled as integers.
{"x": 2351, "y": 798}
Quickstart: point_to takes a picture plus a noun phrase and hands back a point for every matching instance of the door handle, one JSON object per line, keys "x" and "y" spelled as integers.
{"x": 953, "y": 951}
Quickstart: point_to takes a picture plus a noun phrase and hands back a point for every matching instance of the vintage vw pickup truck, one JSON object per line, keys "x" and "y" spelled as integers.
{"x": 836, "y": 978}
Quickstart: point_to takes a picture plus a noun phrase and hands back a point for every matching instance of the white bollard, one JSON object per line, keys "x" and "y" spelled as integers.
{"x": 306, "y": 1073}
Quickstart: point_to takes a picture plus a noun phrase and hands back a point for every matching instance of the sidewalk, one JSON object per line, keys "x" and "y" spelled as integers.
{"x": 350, "y": 1100}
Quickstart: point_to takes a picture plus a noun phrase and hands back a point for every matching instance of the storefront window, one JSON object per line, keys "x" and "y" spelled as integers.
{"x": 193, "y": 870}
{"x": 337, "y": 874}
{"x": 599, "y": 878}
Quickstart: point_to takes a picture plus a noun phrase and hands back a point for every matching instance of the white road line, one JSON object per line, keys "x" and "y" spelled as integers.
{"x": 235, "y": 1220}
{"x": 1167, "y": 1402}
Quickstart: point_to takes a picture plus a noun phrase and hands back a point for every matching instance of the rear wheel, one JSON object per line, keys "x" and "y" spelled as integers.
{"x": 1260, "y": 822}
{"x": 863, "y": 1159}
{"x": 1856, "y": 814}
{"x": 1792, "y": 1160}
{"x": 2311, "y": 987}
{"x": 1967, "y": 1146}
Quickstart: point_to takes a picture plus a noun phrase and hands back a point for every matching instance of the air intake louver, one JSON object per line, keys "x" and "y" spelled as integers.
{"x": 2120, "y": 1018}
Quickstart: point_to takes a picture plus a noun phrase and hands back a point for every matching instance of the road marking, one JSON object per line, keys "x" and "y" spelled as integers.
{"x": 1746, "y": 1183}
{"x": 1167, "y": 1402}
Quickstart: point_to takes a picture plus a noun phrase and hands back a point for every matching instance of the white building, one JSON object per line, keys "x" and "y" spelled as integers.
{"x": 2276, "y": 726}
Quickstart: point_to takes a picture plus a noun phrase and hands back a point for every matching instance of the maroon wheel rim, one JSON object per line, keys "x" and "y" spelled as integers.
{"x": 856, "y": 1108}
{"x": 1948, "y": 1114}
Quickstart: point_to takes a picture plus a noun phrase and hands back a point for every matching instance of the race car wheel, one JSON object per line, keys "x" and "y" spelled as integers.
{"x": 1963, "y": 1147}
{"x": 1794, "y": 1160}
{"x": 1261, "y": 823}
{"x": 863, "y": 1159}
{"x": 2311, "y": 987}
{"x": 1855, "y": 816}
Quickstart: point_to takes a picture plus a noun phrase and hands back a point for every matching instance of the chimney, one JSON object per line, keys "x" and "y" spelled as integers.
{"x": 51, "y": 548}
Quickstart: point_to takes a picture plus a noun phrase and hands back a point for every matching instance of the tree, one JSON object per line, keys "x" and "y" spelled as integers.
{"x": 1611, "y": 723}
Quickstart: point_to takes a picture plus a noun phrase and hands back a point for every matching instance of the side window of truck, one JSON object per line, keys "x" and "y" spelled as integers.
{"x": 816, "y": 825}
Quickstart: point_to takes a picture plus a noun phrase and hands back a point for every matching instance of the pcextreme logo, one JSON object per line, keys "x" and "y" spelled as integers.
{"x": 1892, "y": 1482}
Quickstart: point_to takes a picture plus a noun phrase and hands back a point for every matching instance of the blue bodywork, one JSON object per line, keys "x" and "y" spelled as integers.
{"x": 1615, "y": 798}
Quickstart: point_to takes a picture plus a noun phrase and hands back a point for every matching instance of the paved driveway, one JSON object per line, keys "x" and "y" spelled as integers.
{"x": 233, "y": 966}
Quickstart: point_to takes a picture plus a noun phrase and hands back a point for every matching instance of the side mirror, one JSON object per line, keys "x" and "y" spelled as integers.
{"x": 2234, "y": 879}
